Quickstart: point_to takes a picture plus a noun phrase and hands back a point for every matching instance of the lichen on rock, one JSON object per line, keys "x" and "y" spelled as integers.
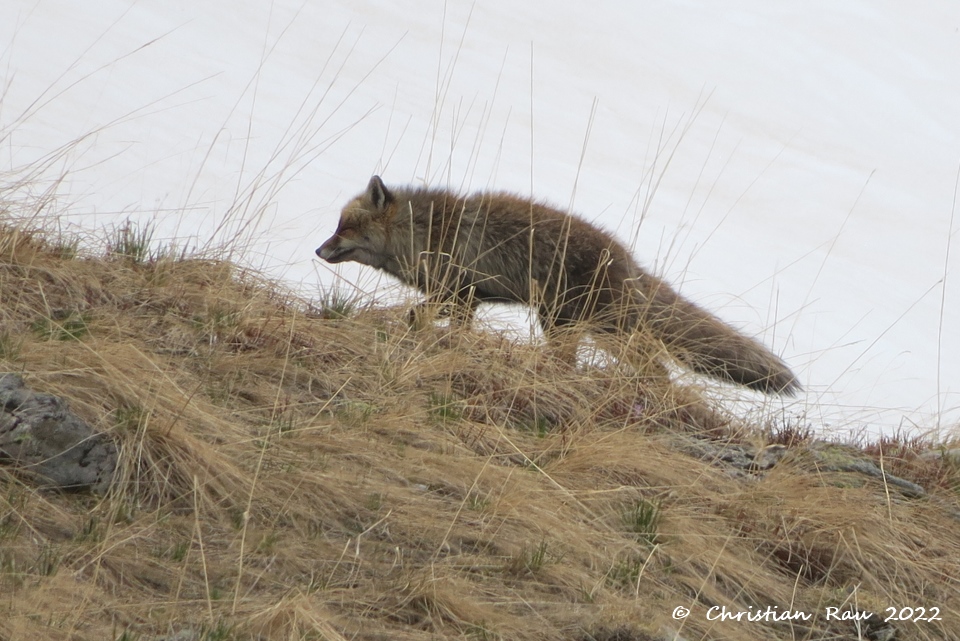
{"x": 41, "y": 437}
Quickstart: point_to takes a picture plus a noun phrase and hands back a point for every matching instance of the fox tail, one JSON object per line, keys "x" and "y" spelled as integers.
{"x": 709, "y": 346}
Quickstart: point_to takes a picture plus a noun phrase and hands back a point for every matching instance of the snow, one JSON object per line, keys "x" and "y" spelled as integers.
{"x": 791, "y": 165}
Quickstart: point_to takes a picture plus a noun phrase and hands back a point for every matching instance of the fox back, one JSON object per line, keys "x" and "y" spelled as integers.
{"x": 497, "y": 247}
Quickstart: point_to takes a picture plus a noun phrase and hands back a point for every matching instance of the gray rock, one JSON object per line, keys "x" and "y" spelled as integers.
{"x": 42, "y": 437}
{"x": 950, "y": 456}
{"x": 731, "y": 455}
{"x": 742, "y": 461}
{"x": 836, "y": 458}
{"x": 721, "y": 454}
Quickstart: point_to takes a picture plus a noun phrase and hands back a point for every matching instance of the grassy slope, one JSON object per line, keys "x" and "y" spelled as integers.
{"x": 287, "y": 474}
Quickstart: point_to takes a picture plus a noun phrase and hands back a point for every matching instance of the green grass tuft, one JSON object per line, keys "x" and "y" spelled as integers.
{"x": 131, "y": 242}
{"x": 64, "y": 325}
{"x": 642, "y": 519}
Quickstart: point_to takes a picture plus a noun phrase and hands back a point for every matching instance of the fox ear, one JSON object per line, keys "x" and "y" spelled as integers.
{"x": 378, "y": 193}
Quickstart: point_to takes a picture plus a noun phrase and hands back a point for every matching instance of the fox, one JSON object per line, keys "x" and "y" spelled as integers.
{"x": 496, "y": 247}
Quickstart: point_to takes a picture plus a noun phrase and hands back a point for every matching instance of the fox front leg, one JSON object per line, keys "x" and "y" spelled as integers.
{"x": 460, "y": 310}
{"x": 562, "y": 338}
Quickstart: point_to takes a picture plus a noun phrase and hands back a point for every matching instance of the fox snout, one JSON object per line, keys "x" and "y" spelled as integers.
{"x": 336, "y": 249}
{"x": 328, "y": 250}
{"x": 352, "y": 245}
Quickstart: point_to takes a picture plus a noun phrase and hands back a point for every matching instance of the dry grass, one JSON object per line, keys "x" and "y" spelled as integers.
{"x": 297, "y": 472}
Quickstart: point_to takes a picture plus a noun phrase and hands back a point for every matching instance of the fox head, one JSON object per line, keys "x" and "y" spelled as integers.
{"x": 361, "y": 235}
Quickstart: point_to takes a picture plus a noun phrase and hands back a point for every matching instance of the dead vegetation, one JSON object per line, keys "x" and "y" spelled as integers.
{"x": 295, "y": 470}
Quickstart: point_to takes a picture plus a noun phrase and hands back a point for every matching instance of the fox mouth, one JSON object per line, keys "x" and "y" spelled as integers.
{"x": 337, "y": 255}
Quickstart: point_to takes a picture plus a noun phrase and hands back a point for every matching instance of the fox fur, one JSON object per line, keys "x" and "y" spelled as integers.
{"x": 464, "y": 250}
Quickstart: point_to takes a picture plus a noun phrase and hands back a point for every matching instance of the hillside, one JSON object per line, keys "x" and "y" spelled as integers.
{"x": 293, "y": 469}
